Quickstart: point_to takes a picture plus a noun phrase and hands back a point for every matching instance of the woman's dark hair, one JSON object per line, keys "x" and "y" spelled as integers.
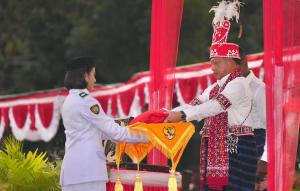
{"x": 74, "y": 78}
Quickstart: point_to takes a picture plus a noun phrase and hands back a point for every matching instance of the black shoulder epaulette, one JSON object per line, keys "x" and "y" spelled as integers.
{"x": 83, "y": 94}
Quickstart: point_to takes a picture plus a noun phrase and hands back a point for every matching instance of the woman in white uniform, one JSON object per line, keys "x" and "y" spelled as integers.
{"x": 86, "y": 124}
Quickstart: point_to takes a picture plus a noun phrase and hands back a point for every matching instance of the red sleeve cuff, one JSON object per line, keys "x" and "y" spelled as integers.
{"x": 195, "y": 101}
{"x": 223, "y": 101}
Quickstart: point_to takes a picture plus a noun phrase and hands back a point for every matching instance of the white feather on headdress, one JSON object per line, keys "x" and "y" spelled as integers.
{"x": 226, "y": 10}
{"x": 220, "y": 12}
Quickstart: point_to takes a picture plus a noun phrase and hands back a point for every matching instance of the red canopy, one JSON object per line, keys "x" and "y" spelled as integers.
{"x": 35, "y": 116}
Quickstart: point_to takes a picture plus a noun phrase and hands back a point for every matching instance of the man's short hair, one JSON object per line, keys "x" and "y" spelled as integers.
{"x": 242, "y": 55}
{"x": 237, "y": 61}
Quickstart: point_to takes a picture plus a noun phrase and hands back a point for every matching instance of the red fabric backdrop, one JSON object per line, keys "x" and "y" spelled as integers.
{"x": 281, "y": 61}
{"x": 165, "y": 29}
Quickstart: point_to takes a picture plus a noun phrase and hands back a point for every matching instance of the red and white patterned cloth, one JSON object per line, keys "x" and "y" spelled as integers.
{"x": 220, "y": 47}
{"x": 224, "y": 12}
{"x": 225, "y": 103}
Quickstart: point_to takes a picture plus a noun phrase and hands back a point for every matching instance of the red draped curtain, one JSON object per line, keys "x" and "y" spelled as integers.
{"x": 282, "y": 69}
{"x": 165, "y": 29}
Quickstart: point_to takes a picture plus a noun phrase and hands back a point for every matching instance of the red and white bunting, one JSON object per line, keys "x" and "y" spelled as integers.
{"x": 36, "y": 116}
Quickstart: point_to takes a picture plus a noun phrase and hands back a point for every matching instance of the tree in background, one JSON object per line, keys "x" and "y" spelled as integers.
{"x": 37, "y": 38}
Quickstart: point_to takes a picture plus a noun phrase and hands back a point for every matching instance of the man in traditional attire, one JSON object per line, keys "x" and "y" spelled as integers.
{"x": 228, "y": 148}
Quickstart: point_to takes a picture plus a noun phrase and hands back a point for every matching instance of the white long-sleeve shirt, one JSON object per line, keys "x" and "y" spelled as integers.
{"x": 259, "y": 101}
{"x": 237, "y": 94}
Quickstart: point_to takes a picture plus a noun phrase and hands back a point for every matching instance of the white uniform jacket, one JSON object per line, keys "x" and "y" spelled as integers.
{"x": 238, "y": 95}
{"x": 85, "y": 125}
